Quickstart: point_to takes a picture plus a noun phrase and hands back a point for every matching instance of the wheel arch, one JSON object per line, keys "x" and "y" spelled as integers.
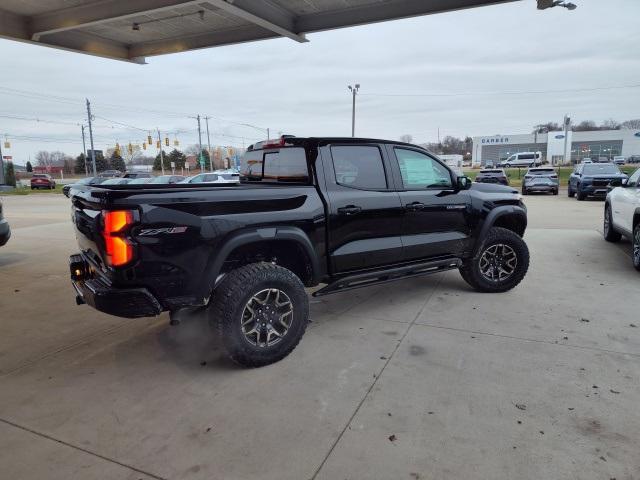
{"x": 242, "y": 246}
{"x": 507, "y": 216}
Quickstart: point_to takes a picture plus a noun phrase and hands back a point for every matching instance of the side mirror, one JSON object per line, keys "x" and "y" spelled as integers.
{"x": 624, "y": 182}
{"x": 464, "y": 183}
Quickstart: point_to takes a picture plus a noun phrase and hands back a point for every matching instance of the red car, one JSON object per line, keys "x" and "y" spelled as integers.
{"x": 42, "y": 180}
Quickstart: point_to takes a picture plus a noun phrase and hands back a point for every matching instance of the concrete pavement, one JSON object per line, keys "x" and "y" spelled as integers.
{"x": 419, "y": 379}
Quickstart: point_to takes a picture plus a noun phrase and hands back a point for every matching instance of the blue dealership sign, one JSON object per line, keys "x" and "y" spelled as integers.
{"x": 559, "y": 136}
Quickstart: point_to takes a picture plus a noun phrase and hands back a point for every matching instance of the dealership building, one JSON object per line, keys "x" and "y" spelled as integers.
{"x": 601, "y": 143}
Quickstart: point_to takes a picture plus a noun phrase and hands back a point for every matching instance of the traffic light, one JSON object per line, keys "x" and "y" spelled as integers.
{"x": 130, "y": 148}
{"x": 144, "y": 145}
{"x": 166, "y": 141}
{"x": 149, "y": 140}
{"x": 176, "y": 142}
{"x": 158, "y": 145}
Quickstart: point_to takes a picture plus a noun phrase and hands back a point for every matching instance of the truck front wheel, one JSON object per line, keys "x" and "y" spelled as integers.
{"x": 500, "y": 264}
{"x": 260, "y": 311}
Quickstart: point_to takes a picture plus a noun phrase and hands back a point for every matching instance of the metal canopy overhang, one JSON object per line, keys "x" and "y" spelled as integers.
{"x": 105, "y": 28}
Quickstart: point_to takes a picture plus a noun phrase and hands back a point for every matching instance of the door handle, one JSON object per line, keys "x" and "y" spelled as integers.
{"x": 415, "y": 206}
{"x": 349, "y": 210}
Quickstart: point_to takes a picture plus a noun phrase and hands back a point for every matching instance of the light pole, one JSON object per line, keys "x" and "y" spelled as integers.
{"x": 354, "y": 91}
{"x": 84, "y": 150}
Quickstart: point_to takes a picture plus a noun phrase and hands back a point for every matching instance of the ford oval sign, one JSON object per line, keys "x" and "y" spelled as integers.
{"x": 559, "y": 136}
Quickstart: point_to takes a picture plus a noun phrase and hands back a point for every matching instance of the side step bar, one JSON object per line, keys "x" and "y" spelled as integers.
{"x": 389, "y": 275}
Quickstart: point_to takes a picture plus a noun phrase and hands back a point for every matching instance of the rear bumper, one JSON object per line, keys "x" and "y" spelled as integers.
{"x": 99, "y": 294}
{"x": 5, "y": 232}
{"x": 541, "y": 188}
{"x": 594, "y": 191}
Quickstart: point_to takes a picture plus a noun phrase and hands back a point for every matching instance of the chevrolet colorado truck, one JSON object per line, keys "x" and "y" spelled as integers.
{"x": 341, "y": 212}
{"x": 622, "y": 214}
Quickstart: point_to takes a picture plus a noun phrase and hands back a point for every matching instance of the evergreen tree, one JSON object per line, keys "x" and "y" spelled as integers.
{"x": 29, "y": 167}
{"x": 178, "y": 158}
{"x": 117, "y": 162}
{"x": 9, "y": 174}
{"x": 79, "y": 166}
{"x": 167, "y": 162}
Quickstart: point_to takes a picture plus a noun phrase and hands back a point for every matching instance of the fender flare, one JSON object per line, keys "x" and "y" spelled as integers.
{"x": 247, "y": 237}
{"x": 493, "y": 215}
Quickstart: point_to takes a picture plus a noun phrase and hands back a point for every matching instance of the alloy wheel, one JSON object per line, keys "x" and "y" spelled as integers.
{"x": 636, "y": 246}
{"x": 498, "y": 262}
{"x": 267, "y": 317}
{"x": 607, "y": 221}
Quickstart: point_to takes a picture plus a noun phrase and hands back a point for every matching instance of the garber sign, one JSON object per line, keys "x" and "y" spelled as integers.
{"x": 496, "y": 140}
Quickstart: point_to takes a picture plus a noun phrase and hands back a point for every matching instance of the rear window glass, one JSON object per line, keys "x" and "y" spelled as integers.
{"x": 359, "y": 166}
{"x": 285, "y": 165}
{"x": 491, "y": 171}
{"x": 542, "y": 171}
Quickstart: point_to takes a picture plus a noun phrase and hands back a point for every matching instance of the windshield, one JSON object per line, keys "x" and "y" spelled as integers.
{"x": 600, "y": 169}
{"x": 161, "y": 179}
{"x": 113, "y": 181}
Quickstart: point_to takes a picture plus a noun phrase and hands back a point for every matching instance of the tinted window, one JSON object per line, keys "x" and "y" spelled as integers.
{"x": 251, "y": 165}
{"x": 287, "y": 165}
{"x": 528, "y": 156}
{"x": 633, "y": 180}
{"x": 421, "y": 171}
{"x": 359, "y": 166}
{"x": 595, "y": 169}
{"x": 541, "y": 171}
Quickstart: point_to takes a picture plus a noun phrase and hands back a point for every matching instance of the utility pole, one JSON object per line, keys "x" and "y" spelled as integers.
{"x": 84, "y": 151}
{"x": 209, "y": 144}
{"x": 268, "y": 136}
{"x": 161, "y": 156}
{"x": 354, "y": 92}
{"x": 567, "y": 122}
{"x": 200, "y": 159}
{"x": 93, "y": 152}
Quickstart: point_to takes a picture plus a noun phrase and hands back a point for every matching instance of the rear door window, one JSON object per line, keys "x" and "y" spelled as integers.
{"x": 359, "y": 167}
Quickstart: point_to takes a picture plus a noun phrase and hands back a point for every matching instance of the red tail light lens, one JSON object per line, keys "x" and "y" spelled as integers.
{"x": 119, "y": 250}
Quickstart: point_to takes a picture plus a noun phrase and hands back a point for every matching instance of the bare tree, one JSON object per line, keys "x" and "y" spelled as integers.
{"x": 585, "y": 126}
{"x": 633, "y": 124}
{"x": 610, "y": 124}
{"x": 43, "y": 158}
{"x": 406, "y": 138}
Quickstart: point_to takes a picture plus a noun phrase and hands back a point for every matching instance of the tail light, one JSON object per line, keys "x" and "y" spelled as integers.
{"x": 118, "y": 249}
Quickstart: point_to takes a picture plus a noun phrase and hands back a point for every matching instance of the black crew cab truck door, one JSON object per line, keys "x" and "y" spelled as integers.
{"x": 364, "y": 211}
{"x": 436, "y": 219}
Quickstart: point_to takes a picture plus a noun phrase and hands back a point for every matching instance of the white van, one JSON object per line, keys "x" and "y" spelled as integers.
{"x": 523, "y": 159}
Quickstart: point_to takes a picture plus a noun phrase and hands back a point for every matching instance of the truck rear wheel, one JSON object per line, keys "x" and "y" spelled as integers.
{"x": 500, "y": 264}
{"x": 260, "y": 312}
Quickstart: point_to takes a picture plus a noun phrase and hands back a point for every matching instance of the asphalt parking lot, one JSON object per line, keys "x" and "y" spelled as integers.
{"x": 420, "y": 379}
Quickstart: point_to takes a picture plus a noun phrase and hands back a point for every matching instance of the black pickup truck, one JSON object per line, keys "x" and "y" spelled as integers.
{"x": 342, "y": 212}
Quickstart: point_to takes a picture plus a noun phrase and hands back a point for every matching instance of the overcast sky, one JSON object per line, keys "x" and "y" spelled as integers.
{"x": 301, "y": 89}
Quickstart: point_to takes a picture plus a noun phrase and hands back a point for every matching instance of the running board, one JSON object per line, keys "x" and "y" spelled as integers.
{"x": 388, "y": 275}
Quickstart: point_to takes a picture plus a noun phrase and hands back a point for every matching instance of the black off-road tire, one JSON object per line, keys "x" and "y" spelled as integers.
{"x": 230, "y": 299}
{"x": 555, "y": 192}
{"x": 635, "y": 242}
{"x": 470, "y": 270}
{"x": 580, "y": 196}
{"x": 610, "y": 234}
{"x": 570, "y": 193}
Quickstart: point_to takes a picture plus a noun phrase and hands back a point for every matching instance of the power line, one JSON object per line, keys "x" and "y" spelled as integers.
{"x": 469, "y": 94}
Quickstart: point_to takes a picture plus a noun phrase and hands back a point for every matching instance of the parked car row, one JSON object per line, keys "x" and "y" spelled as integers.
{"x": 221, "y": 176}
